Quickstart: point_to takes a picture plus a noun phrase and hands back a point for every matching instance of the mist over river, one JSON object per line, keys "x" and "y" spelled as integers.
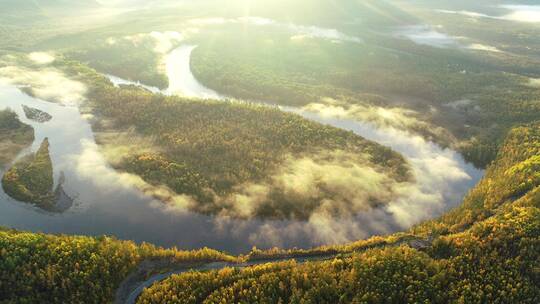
{"x": 105, "y": 204}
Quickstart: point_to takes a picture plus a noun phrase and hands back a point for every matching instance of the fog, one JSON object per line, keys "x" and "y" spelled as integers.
{"x": 425, "y": 35}
{"x": 517, "y": 13}
{"x": 331, "y": 196}
{"x": 163, "y": 41}
{"x": 534, "y": 82}
{"x": 441, "y": 175}
{"x": 41, "y": 57}
{"x": 441, "y": 178}
{"x": 394, "y": 117}
{"x": 434, "y": 37}
{"x": 333, "y": 183}
{"x": 298, "y": 31}
{"x": 483, "y": 47}
{"x": 46, "y": 82}
{"x": 185, "y": 84}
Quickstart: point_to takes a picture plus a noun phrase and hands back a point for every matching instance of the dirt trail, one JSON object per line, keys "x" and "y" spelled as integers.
{"x": 132, "y": 287}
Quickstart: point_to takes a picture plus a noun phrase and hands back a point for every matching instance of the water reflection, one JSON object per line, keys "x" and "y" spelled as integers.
{"x": 442, "y": 177}
{"x": 108, "y": 204}
{"x": 182, "y": 83}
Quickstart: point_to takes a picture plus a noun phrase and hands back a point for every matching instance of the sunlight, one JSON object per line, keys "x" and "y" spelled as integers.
{"x": 269, "y": 151}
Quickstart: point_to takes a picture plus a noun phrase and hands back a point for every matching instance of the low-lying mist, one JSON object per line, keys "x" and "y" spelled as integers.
{"x": 42, "y": 80}
{"x": 517, "y": 13}
{"x": 364, "y": 201}
{"x": 325, "y": 197}
{"x": 298, "y": 31}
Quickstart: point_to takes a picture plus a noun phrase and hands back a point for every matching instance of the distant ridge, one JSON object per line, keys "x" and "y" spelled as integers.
{"x": 37, "y": 6}
{"x": 25, "y": 12}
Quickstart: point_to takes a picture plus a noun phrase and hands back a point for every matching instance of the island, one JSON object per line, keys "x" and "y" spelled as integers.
{"x": 36, "y": 115}
{"x": 14, "y": 136}
{"x": 31, "y": 179}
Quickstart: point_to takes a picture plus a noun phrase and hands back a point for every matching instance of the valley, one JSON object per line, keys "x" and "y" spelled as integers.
{"x": 276, "y": 151}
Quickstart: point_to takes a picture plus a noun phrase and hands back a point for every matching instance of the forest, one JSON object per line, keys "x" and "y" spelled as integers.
{"x": 14, "y": 136}
{"x": 484, "y": 251}
{"x": 304, "y": 73}
{"x": 241, "y": 66}
{"x": 272, "y": 64}
{"x": 59, "y": 269}
{"x": 30, "y": 179}
{"x": 248, "y": 163}
{"x": 127, "y": 57}
{"x": 207, "y": 149}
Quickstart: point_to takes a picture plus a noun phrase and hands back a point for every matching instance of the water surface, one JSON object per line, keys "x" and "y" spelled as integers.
{"x": 106, "y": 203}
{"x": 181, "y": 82}
{"x": 512, "y": 12}
{"x": 426, "y": 35}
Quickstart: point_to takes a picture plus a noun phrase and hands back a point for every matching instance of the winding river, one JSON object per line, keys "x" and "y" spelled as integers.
{"x": 106, "y": 204}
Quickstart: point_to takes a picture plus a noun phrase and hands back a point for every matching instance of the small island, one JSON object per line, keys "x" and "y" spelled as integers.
{"x": 36, "y": 115}
{"x": 14, "y": 136}
{"x": 31, "y": 179}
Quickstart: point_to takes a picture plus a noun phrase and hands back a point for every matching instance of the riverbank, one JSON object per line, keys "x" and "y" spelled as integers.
{"x": 14, "y": 136}
{"x": 111, "y": 202}
{"x": 30, "y": 179}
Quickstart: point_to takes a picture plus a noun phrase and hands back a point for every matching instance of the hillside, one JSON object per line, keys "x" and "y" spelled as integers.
{"x": 452, "y": 90}
{"x": 270, "y": 151}
{"x": 217, "y": 152}
{"x": 38, "y": 6}
{"x": 60, "y": 269}
{"x": 30, "y": 179}
{"x": 496, "y": 257}
{"x": 226, "y": 157}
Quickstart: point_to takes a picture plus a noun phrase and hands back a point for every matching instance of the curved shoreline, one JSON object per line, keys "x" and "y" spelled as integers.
{"x": 367, "y": 130}
{"x": 107, "y": 205}
{"x": 131, "y": 288}
{"x": 442, "y": 176}
{"x": 437, "y": 189}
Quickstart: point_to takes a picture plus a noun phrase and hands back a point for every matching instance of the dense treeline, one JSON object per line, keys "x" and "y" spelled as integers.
{"x": 39, "y": 268}
{"x": 485, "y": 251}
{"x": 299, "y": 72}
{"x": 216, "y": 145}
{"x": 31, "y": 178}
{"x": 272, "y": 63}
{"x": 513, "y": 175}
{"x": 53, "y": 269}
{"x": 263, "y": 62}
{"x": 14, "y": 136}
{"x": 207, "y": 148}
{"x": 494, "y": 259}
{"x": 449, "y": 88}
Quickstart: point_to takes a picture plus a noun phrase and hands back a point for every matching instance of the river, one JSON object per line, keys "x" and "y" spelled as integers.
{"x": 104, "y": 204}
